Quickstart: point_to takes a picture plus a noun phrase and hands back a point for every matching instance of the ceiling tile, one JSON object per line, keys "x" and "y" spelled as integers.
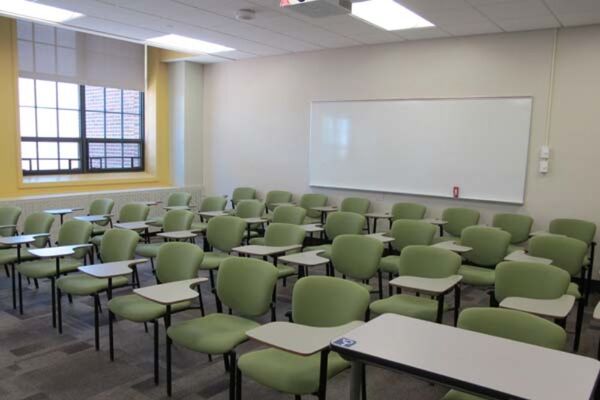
{"x": 515, "y": 9}
{"x": 528, "y": 24}
{"x": 421, "y": 33}
{"x": 470, "y": 29}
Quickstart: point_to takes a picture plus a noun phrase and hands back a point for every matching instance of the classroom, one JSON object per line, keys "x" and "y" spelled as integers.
{"x": 277, "y": 199}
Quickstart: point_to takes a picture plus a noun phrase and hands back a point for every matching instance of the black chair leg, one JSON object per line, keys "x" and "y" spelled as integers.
{"x": 364, "y": 382}
{"x": 238, "y": 384}
{"x": 35, "y": 281}
{"x": 59, "y": 306}
{"x": 440, "y": 310}
{"x": 156, "y": 374}
{"x": 200, "y": 301}
{"x": 226, "y": 361}
{"x": 111, "y": 345}
{"x": 6, "y": 271}
{"x": 70, "y": 299}
{"x": 96, "y": 322}
{"x": 578, "y": 324}
{"x": 456, "y": 303}
{"x": 380, "y": 283}
{"x": 232, "y": 374}
{"x": 322, "y": 394}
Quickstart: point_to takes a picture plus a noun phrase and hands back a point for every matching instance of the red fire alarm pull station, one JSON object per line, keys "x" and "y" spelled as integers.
{"x": 455, "y": 192}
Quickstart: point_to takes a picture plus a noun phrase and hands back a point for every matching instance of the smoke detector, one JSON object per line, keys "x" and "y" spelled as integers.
{"x": 245, "y": 14}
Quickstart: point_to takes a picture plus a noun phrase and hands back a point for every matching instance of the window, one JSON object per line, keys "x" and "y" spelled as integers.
{"x": 70, "y": 128}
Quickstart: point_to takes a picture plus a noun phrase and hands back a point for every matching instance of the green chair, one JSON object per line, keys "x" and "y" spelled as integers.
{"x": 175, "y": 220}
{"x": 245, "y": 285}
{"x": 339, "y": 223}
{"x": 117, "y": 245}
{"x": 408, "y": 211}
{"x": 530, "y": 281}
{"x": 423, "y": 262}
{"x": 9, "y": 215}
{"x": 357, "y": 257}
{"x": 357, "y": 205}
{"x": 101, "y": 207}
{"x": 519, "y": 227}
{"x": 276, "y": 196}
{"x": 283, "y": 215}
{"x": 131, "y": 212}
{"x": 317, "y": 301}
{"x": 584, "y": 231}
{"x": 242, "y": 193}
{"x": 222, "y": 234}
{"x": 250, "y": 209}
{"x": 309, "y": 201}
{"x": 176, "y": 261}
{"x": 175, "y": 199}
{"x": 278, "y": 234}
{"x": 489, "y": 247}
{"x": 568, "y": 254}
{"x": 212, "y": 203}
{"x": 406, "y": 232}
{"x": 72, "y": 232}
{"x": 509, "y": 324}
{"x": 457, "y": 219}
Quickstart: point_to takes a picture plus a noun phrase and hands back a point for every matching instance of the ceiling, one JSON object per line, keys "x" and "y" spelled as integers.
{"x": 275, "y": 31}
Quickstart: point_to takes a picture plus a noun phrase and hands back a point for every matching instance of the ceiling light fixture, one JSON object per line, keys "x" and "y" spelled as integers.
{"x": 36, "y": 11}
{"x": 187, "y": 44}
{"x": 389, "y": 15}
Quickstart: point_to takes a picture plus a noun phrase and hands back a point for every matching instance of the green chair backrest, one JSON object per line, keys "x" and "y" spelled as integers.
{"x": 178, "y": 261}
{"x": 225, "y": 232}
{"x": 249, "y": 209}
{"x": 178, "y": 220}
{"x": 565, "y": 252}
{"x": 213, "y": 203}
{"x": 101, "y": 207}
{"x": 530, "y": 280}
{"x": 246, "y": 285}
{"x": 179, "y": 199}
{"x": 277, "y": 196}
{"x": 356, "y": 256}
{"x": 311, "y": 200}
{"x": 289, "y": 215}
{"x": 118, "y": 245}
{"x": 408, "y": 211}
{"x": 513, "y": 325}
{"x": 357, "y": 205}
{"x": 343, "y": 223}
{"x": 134, "y": 212}
{"x": 489, "y": 245}
{"x": 574, "y": 228}
{"x": 518, "y": 225}
{"x": 428, "y": 262}
{"x": 75, "y": 232}
{"x": 278, "y": 234}
{"x": 9, "y": 215}
{"x": 38, "y": 223}
{"x": 458, "y": 219}
{"x": 325, "y": 301}
{"x": 407, "y": 232}
{"x": 242, "y": 193}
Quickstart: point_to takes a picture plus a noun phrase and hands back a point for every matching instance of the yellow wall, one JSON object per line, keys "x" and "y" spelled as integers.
{"x": 12, "y": 183}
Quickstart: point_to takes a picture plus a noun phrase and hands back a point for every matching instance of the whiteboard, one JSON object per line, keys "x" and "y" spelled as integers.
{"x": 423, "y": 146}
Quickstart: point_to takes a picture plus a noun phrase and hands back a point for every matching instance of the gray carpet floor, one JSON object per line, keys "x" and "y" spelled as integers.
{"x": 36, "y": 363}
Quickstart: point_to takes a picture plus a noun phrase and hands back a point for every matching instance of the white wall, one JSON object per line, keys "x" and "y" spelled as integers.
{"x": 256, "y": 121}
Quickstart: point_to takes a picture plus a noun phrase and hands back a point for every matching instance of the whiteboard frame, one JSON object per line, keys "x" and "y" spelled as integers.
{"x": 522, "y": 202}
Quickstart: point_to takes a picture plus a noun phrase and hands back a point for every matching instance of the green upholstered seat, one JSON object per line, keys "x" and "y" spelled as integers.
{"x": 278, "y": 234}
{"x": 489, "y": 247}
{"x": 242, "y": 193}
{"x": 573, "y": 290}
{"x": 249, "y": 209}
{"x": 223, "y": 234}
{"x": 85, "y": 285}
{"x": 213, "y": 334}
{"x": 211, "y": 203}
{"x": 276, "y": 196}
{"x": 356, "y": 256}
{"x": 357, "y": 205}
{"x": 518, "y": 225}
{"x": 175, "y": 199}
{"x": 458, "y": 219}
{"x": 411, "y": 232}
{"x": 424, "y": 262}
{"x": 408, "y": 211}
{"x": 9, "y": 215}
{"x": 389, "y": 264}
{"x": 339, "y": 223}
{"x": 213, "y": 259}
{"x": 199, "y": 226}
{"x": 565, "y": 252}
{"x": 100, "y": 207}
{"x": 309, "y": 201}
{"x": 509, "y": 324}
{"x": 316, "y": 301}
{"x": 34, "y": 223}
{"x": 325, "y": 250}
{"x": 131, "y": 212}
{"x": 47, "y": 268}
{"x": 137, "y": 309}
{"x": 174, "y": 220}
{"x": 530, "y": 280}
{"x": 574, "y": 228}
{"x": 477, "y": 276}
{"x": 287, "y": 372}
{"x": 289, "y": 215}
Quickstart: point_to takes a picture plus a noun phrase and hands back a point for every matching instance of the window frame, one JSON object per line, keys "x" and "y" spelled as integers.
{"x": 83, "y": 141}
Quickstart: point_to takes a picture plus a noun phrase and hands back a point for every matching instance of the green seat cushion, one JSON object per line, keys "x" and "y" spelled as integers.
{"x": 82, "y": 285}
{"x": 148, "y": 249}
{"x": 287, "y": 372}
{"x": 252, "y": 234}
{"x": 515, "y": 247}
{"x": 137, "y": 309}
{"x": 98, "y": 230}
{"x": 9, "y": 256}
{"x": 445, "y": 238}
{"x": 325, "y": 248}
{"x": 408, "y": 305}
{"x": 158, "y": 222}
{"x": 390, "y": 264}
{"x": 96, "y": 240}
{"x": 573, "y": 290}
{"x": 586, "y": 261}
{"x": 283, "y": 271}
{"x": 212, "y": 260}
{"x": 213, "y": 334}
{"x": 47, "y": 268}
{"x": 456, "y": 395}
{"x": 311, "y": 220}
{"x": 477, "y": 276}
{"x": 258, "y": 241}
{"x": 199, "y": 226}
{"x": 369, "y": 288}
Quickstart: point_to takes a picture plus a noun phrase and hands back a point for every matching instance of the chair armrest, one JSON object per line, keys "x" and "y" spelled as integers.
{"x": 288, "y": 314}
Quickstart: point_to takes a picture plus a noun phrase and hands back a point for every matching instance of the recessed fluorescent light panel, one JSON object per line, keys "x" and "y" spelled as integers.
{"x": 37, "y": 11}
{"x": 187, "y": 44}
{"x": 388, "y": 14}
